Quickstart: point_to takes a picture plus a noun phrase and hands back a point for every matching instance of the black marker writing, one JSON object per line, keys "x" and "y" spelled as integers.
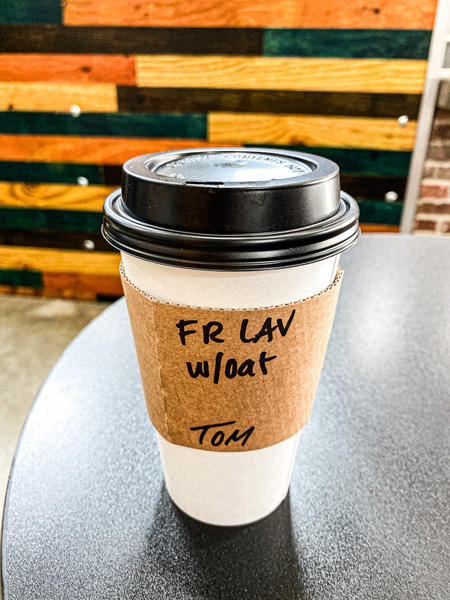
{"x": 219, "y": 436}
{"x": 230, "y": 367}
{"x": 267, "y": 330}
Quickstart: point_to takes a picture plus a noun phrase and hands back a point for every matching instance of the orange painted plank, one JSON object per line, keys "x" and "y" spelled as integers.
{"x": 275, "y": 73}
{"x": 80, "y": 68}
{"x": 358, "y": 14}
{"x": 105, "y": 285}
{"x": 87, "y": 150}
{"x": 69, "y": 294}
{"x": 369, "y": 228}
{"x": 57, "y": 97}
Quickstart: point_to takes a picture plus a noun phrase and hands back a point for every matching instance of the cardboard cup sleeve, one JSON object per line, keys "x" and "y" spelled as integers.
{"x": 230, "y": 380}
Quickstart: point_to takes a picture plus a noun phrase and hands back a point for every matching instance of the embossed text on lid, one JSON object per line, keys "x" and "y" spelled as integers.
{"x": 232, "y": 167}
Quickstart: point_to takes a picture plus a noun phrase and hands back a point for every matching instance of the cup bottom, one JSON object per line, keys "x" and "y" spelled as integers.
{"x": 251, "y": 485}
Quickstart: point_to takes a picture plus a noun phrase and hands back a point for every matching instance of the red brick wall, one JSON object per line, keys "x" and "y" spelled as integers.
{"x": 433, "y": 207}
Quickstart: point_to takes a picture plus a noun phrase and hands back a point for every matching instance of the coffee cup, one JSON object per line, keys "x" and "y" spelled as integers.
{"x": 233, "y": 255}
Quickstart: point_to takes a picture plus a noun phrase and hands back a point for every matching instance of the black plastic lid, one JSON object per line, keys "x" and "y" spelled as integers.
{"x": 231, "y": 209}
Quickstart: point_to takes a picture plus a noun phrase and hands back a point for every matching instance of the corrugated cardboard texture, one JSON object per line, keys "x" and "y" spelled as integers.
{"x": 230, "y": 380}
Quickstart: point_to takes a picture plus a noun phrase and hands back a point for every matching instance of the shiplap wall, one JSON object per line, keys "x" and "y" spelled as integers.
{"x": 330, "y": 78}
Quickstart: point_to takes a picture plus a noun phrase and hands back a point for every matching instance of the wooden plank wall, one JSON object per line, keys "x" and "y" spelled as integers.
{"x": 154, "y": 75}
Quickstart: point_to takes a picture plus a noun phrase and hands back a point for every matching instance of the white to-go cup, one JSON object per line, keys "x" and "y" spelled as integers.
{"x": 229, "y": 488}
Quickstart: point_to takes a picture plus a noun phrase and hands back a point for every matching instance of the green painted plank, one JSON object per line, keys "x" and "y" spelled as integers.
{"x": 20, "y": 278}
{"x": 187, "y": 126}
{"x": 360, "y": 161}
{"x": 30, "y": 11}
{"x": 348, "y": 43}
{"x": 60, "y": 220}
{"x": 79, "y": 221}
{"x": 380, "y": 213}
{"x": 49, "y": 172}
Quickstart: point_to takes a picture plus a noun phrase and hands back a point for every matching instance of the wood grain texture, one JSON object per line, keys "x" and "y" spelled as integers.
{"x": 373, "y": 14}
{"x": 347, "y": 43}
{"x": 55, "y": 39}
{"x": 67, "y": 68}
{"x": 89, "y": 124}
{"x": 372, "y": 188}
{"x": 309, "y": 74}
{"x": 35, "y": 172}
{"x": 59, "y": 261}
{"x": 203, "y": 100}
{"x": 20, "y": 290}
{"x": 98, "y": 150}
{"x": 42, "y": 238}
{"x": 105, "y": 285}
{"x": 346, "y": 132}
{"x": 58, "y": 97}
{"x": 53, "y": 196}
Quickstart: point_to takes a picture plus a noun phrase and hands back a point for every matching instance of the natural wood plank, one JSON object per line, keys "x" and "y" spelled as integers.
{"x": 59, "y": 261}
{"x": 66, "y": 68}
{"x": 96, "y": 150}
{"x": 404, "y": 14}
{"x": 372, "y": 188}
{"x": 53, "y": 196}
{"x": 313, "y": 74}
{"x": 202, "y": 100}
{"x": 55, "y": 39}
{"x": 20, "y": 290}
{"x": 58, "y": 97}
{"x": 345, "y": 132}
{"x": 106, "y": 285}
{"x": 69, "y": 294}
{"x": 369, "y": 228}
{"x": 45, "y": 238}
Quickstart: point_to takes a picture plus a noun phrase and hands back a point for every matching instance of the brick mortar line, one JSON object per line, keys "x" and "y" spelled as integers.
{"x": 432, "y": 217}
{"x": 434, "y": 181}
{"x": 437, "y": 143}
{"x": 432, "y": 162}
{"x": 433, "y": 200}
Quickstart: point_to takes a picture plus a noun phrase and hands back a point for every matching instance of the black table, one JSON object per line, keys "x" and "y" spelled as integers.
{"x": 87, "y": 515}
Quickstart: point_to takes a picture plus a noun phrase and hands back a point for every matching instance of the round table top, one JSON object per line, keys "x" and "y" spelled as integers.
{"x": 88, "y": 517}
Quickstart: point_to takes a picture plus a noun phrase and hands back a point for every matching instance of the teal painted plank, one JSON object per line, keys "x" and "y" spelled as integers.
{"x": 30, "y": 11}
{"x": 380, "y": 213}
{"x": 362, "y": 162}
{"x": 67, "y": 220}
{"x": 188, "y": 126}
{"x": 20, "y": 278}
{"x": 348, "y": 43}
{"x": 59, "y": 220}
{"x": 49, "y": 172}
